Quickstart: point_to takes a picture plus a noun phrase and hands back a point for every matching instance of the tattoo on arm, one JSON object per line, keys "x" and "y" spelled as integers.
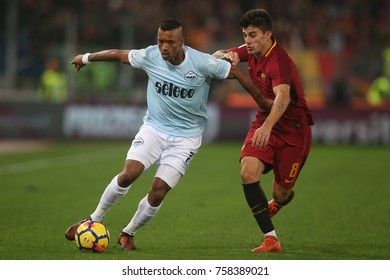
{"x": 281, "y": 108}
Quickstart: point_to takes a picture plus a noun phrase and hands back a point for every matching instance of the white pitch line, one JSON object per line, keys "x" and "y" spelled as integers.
{"x": 45, "y": 163}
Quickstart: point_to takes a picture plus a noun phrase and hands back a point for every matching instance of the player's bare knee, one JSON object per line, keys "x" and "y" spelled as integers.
{"x": 251, "y": 169}
{"x": 126, "y": 178}
{"x": 123, "y": 182}
{"x": 131, "y": 171}
{"x": 248, "y": 176}
{"x": 157, "y": 192}
{"x": 156, "y": 197}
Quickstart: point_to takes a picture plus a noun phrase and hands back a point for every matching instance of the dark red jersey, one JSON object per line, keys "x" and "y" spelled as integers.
{"x": 290, "y": 139}
{"x": 275, "y": 68}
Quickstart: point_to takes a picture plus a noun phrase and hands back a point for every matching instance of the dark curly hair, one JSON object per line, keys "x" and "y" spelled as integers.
{"x": 170, "y": 24}
{"x": 259, "y": 18}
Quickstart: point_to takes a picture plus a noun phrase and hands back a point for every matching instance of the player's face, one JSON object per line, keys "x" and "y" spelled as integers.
{"x": 257, "y": 41}
{"x": 170, "y": 43}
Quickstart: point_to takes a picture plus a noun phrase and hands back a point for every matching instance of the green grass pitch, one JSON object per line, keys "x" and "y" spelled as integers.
{"x": 340, "y": 212}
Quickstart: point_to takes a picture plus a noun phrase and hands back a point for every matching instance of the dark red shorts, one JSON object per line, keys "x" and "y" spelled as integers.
{"x": 285, "y": 154}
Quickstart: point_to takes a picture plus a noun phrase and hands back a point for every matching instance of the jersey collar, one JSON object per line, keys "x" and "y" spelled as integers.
{"x": 270, "y": 49}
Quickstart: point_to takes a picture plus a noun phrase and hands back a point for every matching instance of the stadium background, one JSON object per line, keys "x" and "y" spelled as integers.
{"x": 341, "y": 209}
{"x": 337, "y": 46}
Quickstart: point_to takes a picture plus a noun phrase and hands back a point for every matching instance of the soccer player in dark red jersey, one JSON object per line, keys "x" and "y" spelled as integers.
{"x": 278, "y": 140}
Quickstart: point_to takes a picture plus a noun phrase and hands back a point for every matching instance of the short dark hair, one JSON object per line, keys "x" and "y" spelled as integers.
{"x": 170, "y": 24}
{"x": 259, "y": 18}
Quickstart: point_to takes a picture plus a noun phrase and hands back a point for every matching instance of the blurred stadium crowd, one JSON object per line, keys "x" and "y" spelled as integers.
{"x": 354, "y": 33}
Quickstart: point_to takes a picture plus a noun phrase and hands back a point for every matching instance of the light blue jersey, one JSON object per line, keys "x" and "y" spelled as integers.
{"x": 177, "y": 95}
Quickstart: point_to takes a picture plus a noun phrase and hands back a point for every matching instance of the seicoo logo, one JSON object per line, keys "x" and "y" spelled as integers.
{"x": 169, "y": 89}
{"x": 191, "y": 77}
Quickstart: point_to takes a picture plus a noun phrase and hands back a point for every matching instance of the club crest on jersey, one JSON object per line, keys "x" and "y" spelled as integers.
{"x": 263, "y": 76}
{"x": 191, "y": 77}
{"x": 136, "y": 53}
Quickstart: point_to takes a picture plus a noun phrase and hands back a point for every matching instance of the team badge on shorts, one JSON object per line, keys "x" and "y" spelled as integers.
{"x": 137, "y": 142}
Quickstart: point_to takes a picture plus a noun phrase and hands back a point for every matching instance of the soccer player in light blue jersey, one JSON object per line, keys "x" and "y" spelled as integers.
{"x": 177, "y": 92}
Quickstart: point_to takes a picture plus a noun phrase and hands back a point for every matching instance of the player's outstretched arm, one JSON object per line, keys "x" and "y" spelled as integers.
{"x": 232, "y": 57}
{"x": 246, "y": 82}
{"x": 113, "y": 55}
{"x": 220, "y": 54}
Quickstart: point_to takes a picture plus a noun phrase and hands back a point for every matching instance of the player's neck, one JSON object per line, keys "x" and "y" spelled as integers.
{"x": 266, "y": 48}
{"x": 178, "y": 59}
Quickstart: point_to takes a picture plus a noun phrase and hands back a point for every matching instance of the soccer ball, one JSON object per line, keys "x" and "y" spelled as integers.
{"x": 92, "y": 236}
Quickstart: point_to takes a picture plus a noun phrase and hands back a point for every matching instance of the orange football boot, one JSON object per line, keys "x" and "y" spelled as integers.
{"x": 71, "y": 231}
{"x": 126, "y": 241}
{"x": 270, "y": 245}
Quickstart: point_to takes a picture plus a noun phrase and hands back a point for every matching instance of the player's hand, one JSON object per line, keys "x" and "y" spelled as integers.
{"x": 261, "y": 137}
{"x": 77, "y": 62}
{"x": 232, "y": 57}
